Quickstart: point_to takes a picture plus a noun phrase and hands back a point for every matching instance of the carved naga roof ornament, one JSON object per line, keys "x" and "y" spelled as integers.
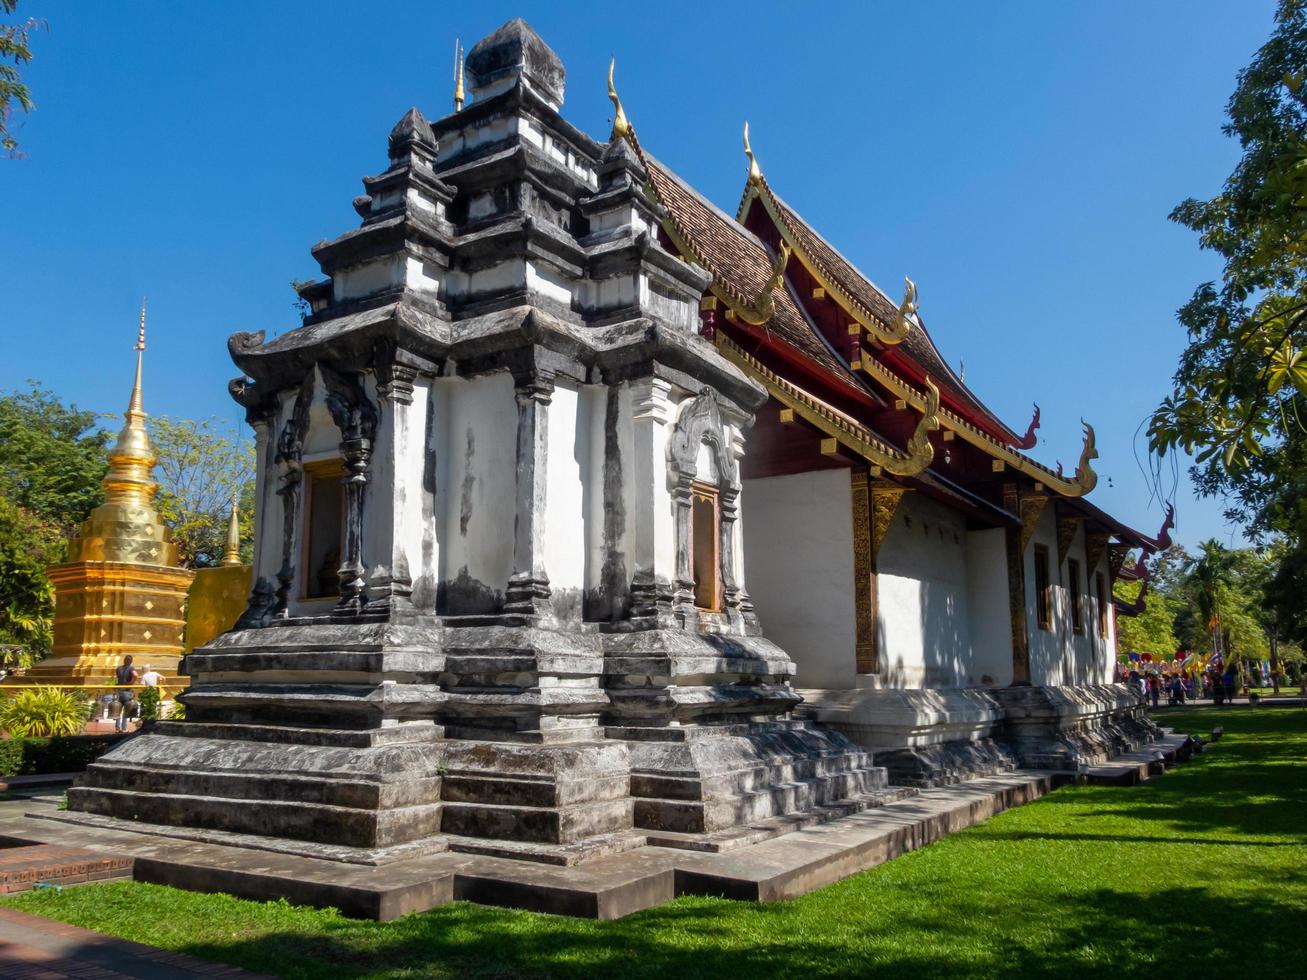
{"x": 1085, "y": 477}
{"x": 621, "y": 125}
{"x": 842, "y": 429}
{"x": 919, "y": 446}
{"x": 889, "y": 333}
{"x": 1029, "y": 439}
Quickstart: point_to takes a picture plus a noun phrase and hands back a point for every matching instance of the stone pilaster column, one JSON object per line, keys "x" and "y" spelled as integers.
{"x": 682, "y": 528}
{"x": 262, "y": 596}
{"x": 528, "y": 588}
{"x": 653, "y": 551}
{"x": 390, "y": 585}
{"x": 290, "y": 479}
{"x": 1016, "y": 538}
{"x": 357, "y": 453}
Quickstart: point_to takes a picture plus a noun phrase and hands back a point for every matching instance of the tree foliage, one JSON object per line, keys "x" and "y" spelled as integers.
{"x": 202, "y": 466}
{"x": 15, "y": 52}
{"x": 1239, "y": 402}
{"x": 50, "y": 473}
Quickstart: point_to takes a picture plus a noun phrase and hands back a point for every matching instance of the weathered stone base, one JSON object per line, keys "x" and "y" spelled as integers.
{"x": 503, "y": 736}
{"x": 1073, "y": 727}
{"x": 704, "y": 779}
{"x": 924, "y": 737}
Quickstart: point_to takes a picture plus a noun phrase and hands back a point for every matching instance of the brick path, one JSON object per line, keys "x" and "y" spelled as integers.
{"x": 32, "y": 948}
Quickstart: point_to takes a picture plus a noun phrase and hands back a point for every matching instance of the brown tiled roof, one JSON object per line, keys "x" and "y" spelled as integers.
{"x": 872, "y": 302}
{"x": 741, "y": 264}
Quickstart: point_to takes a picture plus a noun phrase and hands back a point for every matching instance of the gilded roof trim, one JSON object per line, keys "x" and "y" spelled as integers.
{"x": 887, "y": 333}
{"x": 1085, "y": 478}
{"x": 837, "y": 425}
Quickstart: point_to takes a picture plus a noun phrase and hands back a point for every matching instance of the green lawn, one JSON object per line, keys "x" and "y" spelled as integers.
{"x": 1200, "y": 873}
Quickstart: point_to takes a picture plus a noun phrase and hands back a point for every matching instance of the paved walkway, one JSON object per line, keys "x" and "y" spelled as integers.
{"x": 32, "y": 948}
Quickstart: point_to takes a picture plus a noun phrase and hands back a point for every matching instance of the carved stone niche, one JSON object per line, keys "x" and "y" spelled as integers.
{"x": 699, "y": 423}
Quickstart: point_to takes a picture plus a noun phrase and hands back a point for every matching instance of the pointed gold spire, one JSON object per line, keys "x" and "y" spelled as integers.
{"x": 231, "y": 555}
{"x": 126, "y": 527}
{"x": 621, "y": 125}
{"x": 459, "y": 95}
{"x": 131, "y": 459}
{"x": 755, "y": 172}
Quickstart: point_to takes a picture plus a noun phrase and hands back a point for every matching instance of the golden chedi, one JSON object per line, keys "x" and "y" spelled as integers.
{"x": 220, "y": 594}
{"x": 120, "y": 592}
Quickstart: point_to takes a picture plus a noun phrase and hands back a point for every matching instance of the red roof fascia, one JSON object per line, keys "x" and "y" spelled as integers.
{"x": 752, "y": 339}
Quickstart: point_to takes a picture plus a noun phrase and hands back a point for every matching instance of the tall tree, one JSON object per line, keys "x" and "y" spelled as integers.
{"x": 15, "y": 52}
{"x": 1239, "y": 403}
{"x": 202, "y": 466}
{"x": 50, "y": 474}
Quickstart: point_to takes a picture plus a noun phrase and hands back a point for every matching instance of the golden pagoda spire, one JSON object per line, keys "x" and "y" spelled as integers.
{"x": 126, "y": 526}
{"x": 131, "y": 460}
{"x": 232, "y": 553}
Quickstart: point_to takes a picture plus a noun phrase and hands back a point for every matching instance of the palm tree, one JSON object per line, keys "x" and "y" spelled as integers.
{"x": 1208, "y": 574}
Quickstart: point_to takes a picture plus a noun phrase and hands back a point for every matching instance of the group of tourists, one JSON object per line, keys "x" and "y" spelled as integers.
{"x": 126, "y": 677}
{"x": 1213, "y": 684}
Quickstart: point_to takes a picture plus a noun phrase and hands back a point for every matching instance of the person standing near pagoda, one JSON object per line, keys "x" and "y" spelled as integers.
{"x": 125, "y": 676}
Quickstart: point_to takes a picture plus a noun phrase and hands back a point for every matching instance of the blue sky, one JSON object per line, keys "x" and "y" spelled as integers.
{"x": 1018, "y": 160}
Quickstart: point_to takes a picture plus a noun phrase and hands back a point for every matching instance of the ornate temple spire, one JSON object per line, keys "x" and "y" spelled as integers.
{"x": 126, "y": 527}
{"x": 231, "y": 554}
{"x": 131, "y": 460}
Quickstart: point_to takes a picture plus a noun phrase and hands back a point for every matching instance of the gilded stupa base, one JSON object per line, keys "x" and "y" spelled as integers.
{"x": 107, "y": 610}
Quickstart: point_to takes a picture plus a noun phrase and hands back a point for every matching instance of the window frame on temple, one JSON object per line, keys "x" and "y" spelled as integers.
{"x": 1043, "y": 589}
{"x": 1077, "y": 596}
{"x": 705, "y": 493}
{"x": 315, "y": 473}
{"x": 1100, "y": 590}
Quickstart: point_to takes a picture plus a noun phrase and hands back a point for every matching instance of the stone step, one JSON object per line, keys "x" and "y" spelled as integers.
{"x": 716, "y": 814}
{"x": 761, "y": 830}
{"x": 344, "y": 826}
{"x": 244, "y": 786}
{"x": 745, "y": 780}
{"x": 568, "y": 824}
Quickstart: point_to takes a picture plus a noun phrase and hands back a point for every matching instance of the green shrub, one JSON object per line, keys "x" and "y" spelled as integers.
{"x": 149, "y": 704}
{"x": 40, "y": 712}
{"x": 34, "y": 756}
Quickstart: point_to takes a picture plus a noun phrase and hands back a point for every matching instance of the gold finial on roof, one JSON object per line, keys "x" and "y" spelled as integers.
{"x": 231, "y": 555}
{"x": 755, "y": 172}
{"x": 458, "y": 75}
{"x": 621, "y": 125}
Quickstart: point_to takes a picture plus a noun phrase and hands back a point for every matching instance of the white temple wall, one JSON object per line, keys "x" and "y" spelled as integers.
{"x": 987, "y": 603}
{"x": 568, "y": 473}
{"x": 476, "y": 478}
{"x": 922, "y": 580}
{"x": 798, "y": 563}
{"x": 415, "y": 532}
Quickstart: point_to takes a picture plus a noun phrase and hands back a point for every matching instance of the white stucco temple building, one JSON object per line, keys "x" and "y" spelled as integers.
{"x": 590, "y": 515}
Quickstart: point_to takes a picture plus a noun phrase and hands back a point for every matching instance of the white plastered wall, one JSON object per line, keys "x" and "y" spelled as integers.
{"x": 570, "y": 478}
{"x": 798, "y": 563}
{"x": 987, "y": 601}
{"x": 476, "y": 478}
{"x": 922, "y": 579}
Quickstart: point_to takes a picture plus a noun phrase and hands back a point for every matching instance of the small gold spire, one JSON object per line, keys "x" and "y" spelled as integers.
{"x": 755, "y": 172}
{"x": 459, "y": 94}
{"x": 621, "y": 125}
{"x": 232, "y": 553}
